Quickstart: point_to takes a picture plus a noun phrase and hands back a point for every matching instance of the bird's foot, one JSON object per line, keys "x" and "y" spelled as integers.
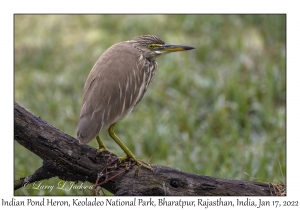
{"x": 102, "y": 149}
{"x": 139, "y": 162}
{"x": 101, "y": 146}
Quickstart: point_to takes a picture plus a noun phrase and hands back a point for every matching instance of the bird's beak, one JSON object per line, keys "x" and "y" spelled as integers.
{"x": 174, "y": 48}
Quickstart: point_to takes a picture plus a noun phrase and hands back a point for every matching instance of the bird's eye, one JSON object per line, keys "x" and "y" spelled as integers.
{"x": 151, "y": 46}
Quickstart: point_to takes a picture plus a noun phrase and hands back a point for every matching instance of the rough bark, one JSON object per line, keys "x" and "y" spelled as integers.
{"x": 64, "y": 157}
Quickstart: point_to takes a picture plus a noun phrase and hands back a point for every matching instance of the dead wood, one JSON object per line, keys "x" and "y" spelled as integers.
{"x": 65, "y": 158}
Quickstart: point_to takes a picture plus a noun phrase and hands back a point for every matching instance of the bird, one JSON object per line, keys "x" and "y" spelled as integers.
{"x": 115, "y": 86}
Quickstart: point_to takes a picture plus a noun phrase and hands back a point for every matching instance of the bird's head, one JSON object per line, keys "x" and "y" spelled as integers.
{"x": 152, "y": 46}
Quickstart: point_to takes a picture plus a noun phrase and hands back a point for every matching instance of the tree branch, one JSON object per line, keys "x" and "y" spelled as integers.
{"x": 65, "y": 158}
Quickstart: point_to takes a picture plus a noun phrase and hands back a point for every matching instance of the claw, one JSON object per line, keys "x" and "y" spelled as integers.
{"x": 102, "y": 149}
{"x": 140, "y": 163}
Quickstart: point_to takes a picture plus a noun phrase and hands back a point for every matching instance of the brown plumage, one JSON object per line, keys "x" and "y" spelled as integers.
{"x": 117, "y": 83}
{"x": 112, "y": 91}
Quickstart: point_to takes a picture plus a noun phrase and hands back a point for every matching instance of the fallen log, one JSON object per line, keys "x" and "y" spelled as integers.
{"x": 65, "y": 158}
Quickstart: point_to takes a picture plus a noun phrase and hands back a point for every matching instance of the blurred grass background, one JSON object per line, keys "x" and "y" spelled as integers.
{"x": 218, "y": 110}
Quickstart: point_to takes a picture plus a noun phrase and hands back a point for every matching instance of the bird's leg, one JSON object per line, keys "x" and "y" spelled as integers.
{"x": 125, "y": 149}
{"x": 101, "y": 147}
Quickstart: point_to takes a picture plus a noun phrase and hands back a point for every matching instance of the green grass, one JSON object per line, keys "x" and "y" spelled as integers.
{"x": 218, "y": 110}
